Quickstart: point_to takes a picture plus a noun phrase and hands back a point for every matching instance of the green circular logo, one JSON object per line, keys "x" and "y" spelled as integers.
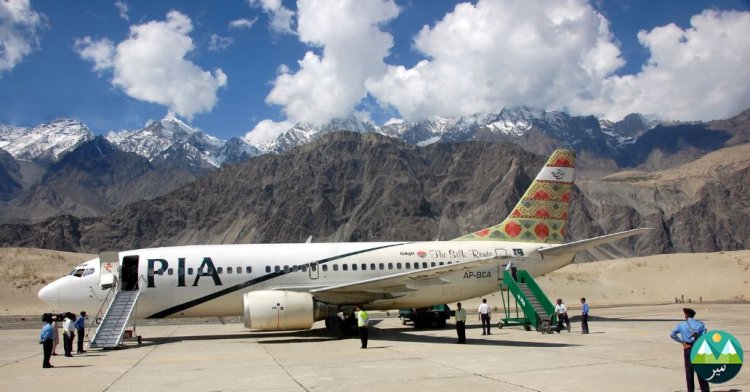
{"x": 716, "y": 356}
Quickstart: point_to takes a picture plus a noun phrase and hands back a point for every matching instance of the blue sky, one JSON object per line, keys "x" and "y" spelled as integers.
{"x": 230, "y": 67}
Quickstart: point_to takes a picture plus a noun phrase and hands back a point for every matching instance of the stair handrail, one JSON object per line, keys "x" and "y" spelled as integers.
{"x": 101, "y": 308}
{"x": 524, "y": 277}
{"x": 130, "y": 294}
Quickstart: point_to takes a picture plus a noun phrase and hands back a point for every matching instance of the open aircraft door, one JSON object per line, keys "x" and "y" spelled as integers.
{"x": 108, "y": 269}
{"x": 499, "y": 252}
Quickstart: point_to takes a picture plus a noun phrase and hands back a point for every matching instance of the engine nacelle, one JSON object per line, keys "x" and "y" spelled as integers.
{"x": 282, "y": 310}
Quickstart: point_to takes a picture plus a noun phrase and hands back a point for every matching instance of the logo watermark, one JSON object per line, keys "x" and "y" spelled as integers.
{"x": 716, "y": 356}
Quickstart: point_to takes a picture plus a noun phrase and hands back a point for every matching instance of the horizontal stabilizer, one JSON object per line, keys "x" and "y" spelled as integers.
{"x": 576, "y": 246}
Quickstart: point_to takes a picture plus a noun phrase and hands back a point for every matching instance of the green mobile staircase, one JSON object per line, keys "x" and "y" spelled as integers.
{"x": 538, "y": 311}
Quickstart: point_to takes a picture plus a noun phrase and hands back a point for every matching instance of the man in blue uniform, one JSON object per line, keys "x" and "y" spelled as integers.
{"x": 80, "y": 329}
{"x": 689, "y": 331}
{"x": 47, "y": 340}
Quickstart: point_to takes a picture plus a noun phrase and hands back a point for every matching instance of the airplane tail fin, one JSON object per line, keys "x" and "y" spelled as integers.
{"x": 541, "y": 213}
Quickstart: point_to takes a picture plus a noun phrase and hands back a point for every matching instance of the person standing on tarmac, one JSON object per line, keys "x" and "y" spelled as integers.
{"x": 562, "y": 315}
{"x": 460, "y": 323}
{"x": 68, "y": 334}
{"x": 80, "y": 329}
{"x": 47, "y": 339}
{"x": 689, "y": 331}
{"x": 484, "y": 316}
{"x": 584, "y": 316}
{"x": 362, "y": 320}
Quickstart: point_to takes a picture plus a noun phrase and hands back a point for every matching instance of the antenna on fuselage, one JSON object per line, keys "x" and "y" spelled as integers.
{"x": 309, "y": 240}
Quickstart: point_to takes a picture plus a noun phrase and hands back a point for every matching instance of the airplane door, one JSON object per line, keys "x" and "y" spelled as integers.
{"x": 107, "y": 269}
{"x": 501, "y": 265}
{"x": 129, "y": 273}
{"x": 314, "y": 270}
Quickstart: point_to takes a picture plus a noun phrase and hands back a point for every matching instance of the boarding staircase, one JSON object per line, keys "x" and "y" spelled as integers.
{"x": 538, "y": 311}
{"x": 112, "y": 328}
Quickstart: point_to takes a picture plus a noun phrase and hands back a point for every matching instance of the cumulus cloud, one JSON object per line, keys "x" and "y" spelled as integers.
{"x": 700, "y": 73}
{"x": 331, "y": 84}
{"x": 483, "y": 57}
{"x": 122, "y": 8}
{"x": 281, "y": 18}
{"x": 19, "y": 32}
{"x": 100, "y": 52}
{"x": 267, "y": 130}
{"x": 150, "y": 65}
{"x": 243, "y": 23}
{"x": 219, "y": 43}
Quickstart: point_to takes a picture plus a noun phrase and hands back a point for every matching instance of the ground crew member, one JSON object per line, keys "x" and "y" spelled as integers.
{"x": 47, "y": 340}
{"x": 584, "y": 316}
{"x": 689, "y": 331}
{"x": 80, "y": 329}
{"x": 362, "y": 320}
{"x": 461, "y": 324}
{"x": 484, "y": 316}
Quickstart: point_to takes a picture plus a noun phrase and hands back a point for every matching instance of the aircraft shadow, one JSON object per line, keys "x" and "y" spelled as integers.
{"x": 400, "y": 335}
{"x": 622, "y": 319}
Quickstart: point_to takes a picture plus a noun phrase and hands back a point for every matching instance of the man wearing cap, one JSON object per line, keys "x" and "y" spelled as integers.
{"x": 689, "y": 331}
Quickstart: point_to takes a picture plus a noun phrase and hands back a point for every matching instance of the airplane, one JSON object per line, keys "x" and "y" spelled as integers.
{"x": 291, "y": 286}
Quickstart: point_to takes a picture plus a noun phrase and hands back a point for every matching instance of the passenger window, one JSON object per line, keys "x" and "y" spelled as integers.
{"x": 190, "y": 271}
{"x": 398, "y": 265}
{"x": 441, "y": 263}
{"x": 432, "y": 264}
{"x": 354, "y": 267}
{"x": 219, "y": 270}
{"x": 268, "y": 268}
{"x": 382, "y": 266}
{"x": 390, "y": 266}
{"x": 304, "y": 268}
{"x": 277, "y": 268}
{"x": 324, "y": 267}
{"x": 295, "y": 268}
{"x": 424, "y": 265}
{"x": 89, "y": 271}
{"x": 364, "y": 267}
{"x": 335, "y": 267}
{"x": 229, "y": 270}
{"x": 416, "y": 265}
{"x": 286, "y": 268}
{"x": 248, "y": 270}
{"x": 345, "y": 267}
{"x": 372, "y": 266}
{"x": 180, "y": 271}
{"x": 408, "y": 265}
{"x": 170, "y": 271}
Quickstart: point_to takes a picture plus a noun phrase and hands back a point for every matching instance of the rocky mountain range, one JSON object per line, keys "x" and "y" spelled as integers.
{"x": 61, "y": 168}
{"x": 368, "y": 187}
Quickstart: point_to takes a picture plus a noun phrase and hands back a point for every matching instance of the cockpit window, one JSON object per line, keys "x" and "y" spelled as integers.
{"x": 88, "y": 271}
{"x": 78, "y": 272}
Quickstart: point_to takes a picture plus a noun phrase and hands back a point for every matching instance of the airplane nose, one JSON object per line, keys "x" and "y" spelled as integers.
{"x": 49, "y": 295}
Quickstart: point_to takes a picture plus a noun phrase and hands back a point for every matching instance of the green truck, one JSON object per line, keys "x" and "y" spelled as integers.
{"x": 435, "y": 315}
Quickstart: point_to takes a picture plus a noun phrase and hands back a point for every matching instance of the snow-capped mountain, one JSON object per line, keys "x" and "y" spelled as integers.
{"x": 511, "y": 124}
{"x": 46, "y": 142}
{"x": 157, "y": 138}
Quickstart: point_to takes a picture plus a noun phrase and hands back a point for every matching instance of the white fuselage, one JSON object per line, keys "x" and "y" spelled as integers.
{"x": 209, "y": 280}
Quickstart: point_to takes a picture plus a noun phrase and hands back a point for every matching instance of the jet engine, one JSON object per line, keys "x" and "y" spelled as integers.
{"x": 276, "y": 310}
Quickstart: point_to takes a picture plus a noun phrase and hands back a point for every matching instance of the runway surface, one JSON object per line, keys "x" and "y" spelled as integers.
{"x": 629, "y": 349}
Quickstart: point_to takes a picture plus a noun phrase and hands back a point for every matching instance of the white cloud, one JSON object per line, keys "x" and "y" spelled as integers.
{"x": 122, "y": 8}
{"x": 150, "y": 65}
{"x": 243, "y": 23}
{"x": 19, "y": 32}
{"x": 281, "y": 18}
{"x": 267, "y": 130}
{"x": 353, "y": 48}
{"x": 218, "y": 43}
{"x": 700, "y": 73}
{"x": 100, "y": 52}
{"x": 483, "y": 57}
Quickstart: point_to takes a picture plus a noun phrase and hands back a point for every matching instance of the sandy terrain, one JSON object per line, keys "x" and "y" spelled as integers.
{"x": 708, "y": 277}
{"x": 24, "y": 271}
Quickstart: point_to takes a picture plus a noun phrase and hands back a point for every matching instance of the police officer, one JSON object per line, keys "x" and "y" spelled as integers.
{"x": 689, "y": 331}
{"x": 362, "y": 320}
{"x": 80, "y": 329}
{"x": 460, "y": 323}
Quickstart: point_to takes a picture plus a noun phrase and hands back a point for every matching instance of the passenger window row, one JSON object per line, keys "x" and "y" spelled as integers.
{"x": 303, "y": 268}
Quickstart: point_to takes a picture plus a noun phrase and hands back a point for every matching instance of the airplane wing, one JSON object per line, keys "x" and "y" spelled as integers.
{"x": 396, "y": 285}
{"x": 576, "y": 246}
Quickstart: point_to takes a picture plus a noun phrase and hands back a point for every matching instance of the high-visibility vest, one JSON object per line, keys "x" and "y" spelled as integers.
{"x": 362, "y": 318}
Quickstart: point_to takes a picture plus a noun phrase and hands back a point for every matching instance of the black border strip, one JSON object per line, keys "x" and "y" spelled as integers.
{"x": 170, "y": 311}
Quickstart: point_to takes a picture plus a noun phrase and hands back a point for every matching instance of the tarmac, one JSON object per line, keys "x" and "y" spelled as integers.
{"x": 628, "y": 349}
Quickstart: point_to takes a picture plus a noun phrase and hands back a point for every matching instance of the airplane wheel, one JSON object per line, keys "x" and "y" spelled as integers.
{"x": 140, "y": 341}
{"x": 500, "y": 325}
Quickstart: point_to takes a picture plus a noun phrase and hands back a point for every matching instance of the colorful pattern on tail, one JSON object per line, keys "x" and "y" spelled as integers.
{"x": 541, "y": 213}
